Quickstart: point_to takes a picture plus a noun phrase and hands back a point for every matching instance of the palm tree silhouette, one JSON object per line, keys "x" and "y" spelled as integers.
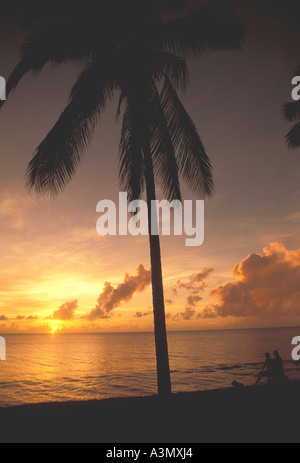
{"x": 292, "y": 113}
{"x": 132, "y": 50}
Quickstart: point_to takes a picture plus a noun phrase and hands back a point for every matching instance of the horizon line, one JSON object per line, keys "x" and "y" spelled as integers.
{"x": 152, "y": 332}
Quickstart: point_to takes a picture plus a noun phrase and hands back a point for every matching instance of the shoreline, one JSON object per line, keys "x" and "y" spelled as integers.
{"x": 263, "y": 414}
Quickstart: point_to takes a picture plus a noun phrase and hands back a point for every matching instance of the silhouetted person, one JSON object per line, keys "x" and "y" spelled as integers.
{"x": 277, "y": 369}
{"x": 237, "y": 385}
{"x": 267, "y": 371}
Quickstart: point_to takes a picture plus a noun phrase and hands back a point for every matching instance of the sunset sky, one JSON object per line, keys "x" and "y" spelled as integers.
{"x": 57, "y": 273}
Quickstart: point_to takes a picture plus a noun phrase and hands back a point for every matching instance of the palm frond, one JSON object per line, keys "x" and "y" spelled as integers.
{"x": 57, "y": 43}
{"x": 57, "y": 157}
{"x": 172, "y": 66}
{"x": 131, "y": 160}
{"x": 18, "y": 73}
{"x": 293, "y": 137}
{"x": 292, "y": 111}
{"x": 209, "y": 28}
{"x": 49, "y": 44}
{"x": 193, "y": 162}
{"x": 163, "y": 154}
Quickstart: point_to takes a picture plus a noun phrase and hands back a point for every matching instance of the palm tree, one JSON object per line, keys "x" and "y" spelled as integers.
{"x": 292, "y": 113}
{"x": 142, "y": 57}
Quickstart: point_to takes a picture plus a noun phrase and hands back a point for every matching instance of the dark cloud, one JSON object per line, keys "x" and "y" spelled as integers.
{"x": 111, "y": 297}
{"x": 188, "y": 314}
{"x": 266, "y": 286}
{"x": 143, "y": 314}
{"x": 208, "y": 313}
{"x": 195, "y": 283}
{"x": 3, "y": 318}
{"x": 192, "y": 301}
{"x": 66, "y": 311}
{"x": 30, "y": 317}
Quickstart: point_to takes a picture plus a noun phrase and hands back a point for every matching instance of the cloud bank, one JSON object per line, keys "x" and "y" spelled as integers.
{"x": 266, "y": 285}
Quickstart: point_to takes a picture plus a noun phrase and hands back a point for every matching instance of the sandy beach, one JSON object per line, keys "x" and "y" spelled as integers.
{"x": 263, "y": 414}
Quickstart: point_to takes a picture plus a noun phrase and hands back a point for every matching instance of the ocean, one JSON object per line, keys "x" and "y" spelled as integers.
{"x": 69, "y": 367}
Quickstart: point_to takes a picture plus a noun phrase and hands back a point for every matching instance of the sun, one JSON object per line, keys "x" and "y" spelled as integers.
{"x": 54, "y": 329}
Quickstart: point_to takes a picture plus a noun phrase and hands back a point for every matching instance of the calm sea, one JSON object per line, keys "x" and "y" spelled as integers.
{"x": 63, "y": 367}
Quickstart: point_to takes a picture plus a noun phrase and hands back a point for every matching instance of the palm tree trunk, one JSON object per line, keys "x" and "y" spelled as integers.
{"x": 161, "y": 341}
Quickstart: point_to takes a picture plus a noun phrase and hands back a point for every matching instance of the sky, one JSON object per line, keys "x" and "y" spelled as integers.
{"x": 58, "y": 274}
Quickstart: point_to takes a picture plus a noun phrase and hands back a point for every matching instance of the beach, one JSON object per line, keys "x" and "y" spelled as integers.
{"x": 264, "y": 414}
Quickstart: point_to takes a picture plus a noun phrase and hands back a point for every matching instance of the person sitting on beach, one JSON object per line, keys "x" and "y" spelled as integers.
{"x": 277, "y": 369}
{"x": 237, "y": 385}
{"x": 267, "y": 371}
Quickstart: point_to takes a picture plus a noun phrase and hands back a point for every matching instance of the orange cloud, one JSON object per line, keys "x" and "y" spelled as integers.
{"x": 266, "y": 285}
{"x": 111, "y": 297}
{"x": 195, "y": 284}
{"x": 188, "y": 314}
{"x": 143, "y": 314}
{"x": 66, "y": 311}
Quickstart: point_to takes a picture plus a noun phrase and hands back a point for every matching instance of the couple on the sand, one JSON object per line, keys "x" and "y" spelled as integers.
{"x": 273, "y": 369}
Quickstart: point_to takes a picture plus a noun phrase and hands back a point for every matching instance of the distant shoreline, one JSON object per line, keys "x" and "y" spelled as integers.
{"x": 263, "y": 414}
